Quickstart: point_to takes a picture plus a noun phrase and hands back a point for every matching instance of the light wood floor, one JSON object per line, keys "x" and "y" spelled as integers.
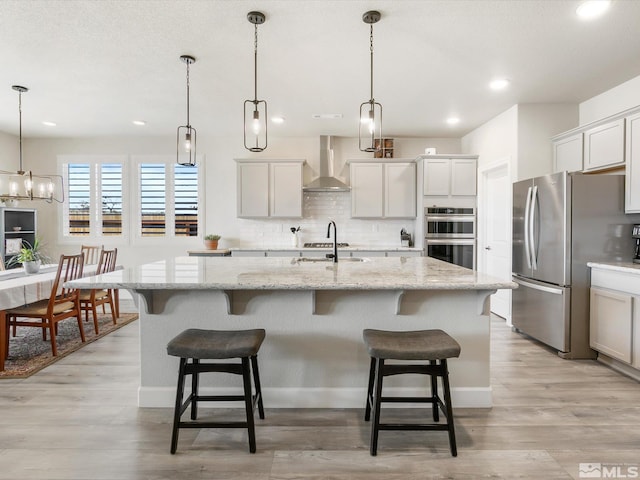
{"x": 78, "y": 419}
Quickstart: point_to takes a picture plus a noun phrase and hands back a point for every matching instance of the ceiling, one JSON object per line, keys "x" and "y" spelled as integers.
{"x": 94, "y": 66}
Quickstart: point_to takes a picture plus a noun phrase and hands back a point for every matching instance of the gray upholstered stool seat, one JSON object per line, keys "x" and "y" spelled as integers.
{"x": 216, "y": 348}
{"x": 432, "y": 347}
{"x": 413, "y": 345}
{"x": 216, "y": 344}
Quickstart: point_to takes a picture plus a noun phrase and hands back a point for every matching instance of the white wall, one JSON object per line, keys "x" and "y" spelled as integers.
{"x": 220, "y": 195}
{"x": 496, "y": 139}
{"x": 537, "y": 123}
{"x": 9, "y": 152}
{"x": 619, "y": 98}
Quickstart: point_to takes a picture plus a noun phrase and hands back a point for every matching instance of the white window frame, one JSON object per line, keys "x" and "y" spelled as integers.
{"x": 95, "y": 200}
{"x": 136, "y": 212}
{"x": 131, "y": 212}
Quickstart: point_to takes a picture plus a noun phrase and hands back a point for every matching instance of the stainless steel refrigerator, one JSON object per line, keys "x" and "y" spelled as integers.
{"x": 561, "y": 222}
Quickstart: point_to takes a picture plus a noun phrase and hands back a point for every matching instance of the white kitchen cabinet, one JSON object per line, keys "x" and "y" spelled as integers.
{"x": 611, "y": 323}
{"x": 567, "y": 153}
{"x": 604, "y": 146}
{"x": 632, "y": 177}
{"x": 367, "y": 185}
{"x": 615, "y": 316}
{"x": 383, "y": 189}
{"x": 368, "y": 253}
{"x": 269, "y": 188}
{"x": 400, "y": 190}
{"x": 450, "y": 176}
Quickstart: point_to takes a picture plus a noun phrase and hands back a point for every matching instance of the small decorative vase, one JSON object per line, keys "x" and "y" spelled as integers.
{"x": 211, "y": 244}
{"x": 31, "y": 267}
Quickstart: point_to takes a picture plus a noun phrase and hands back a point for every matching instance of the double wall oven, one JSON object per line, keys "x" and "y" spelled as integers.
{"x": 450, "y": 235}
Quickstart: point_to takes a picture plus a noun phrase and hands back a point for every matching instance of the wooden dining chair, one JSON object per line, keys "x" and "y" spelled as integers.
{"x": 90, "y": 299}
{"x": 62, "y": 303}
{"x": 91, "y": 253}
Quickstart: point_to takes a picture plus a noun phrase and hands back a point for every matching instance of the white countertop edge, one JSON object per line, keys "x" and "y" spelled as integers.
{"x": 309, "y": 286}
{"x": 322, "y": 249}
{"x": 628, "y": 267}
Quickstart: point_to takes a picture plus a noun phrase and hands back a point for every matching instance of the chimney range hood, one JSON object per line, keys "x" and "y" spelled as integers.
{"x": 326, "y": 182}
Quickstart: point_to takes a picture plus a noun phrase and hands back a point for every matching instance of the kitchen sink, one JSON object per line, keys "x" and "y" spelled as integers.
{"x": 328, "y": 260}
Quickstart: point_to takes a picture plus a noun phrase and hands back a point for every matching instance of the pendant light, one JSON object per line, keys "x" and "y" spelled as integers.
{"x": 370, "y": 130}
{"x": 255, "y": 111}
{"x": 23, "y": 184}
{"x": 186, "y": 137}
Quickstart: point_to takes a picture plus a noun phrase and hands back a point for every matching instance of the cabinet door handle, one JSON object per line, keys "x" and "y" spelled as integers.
{"x": 487, "y": 248}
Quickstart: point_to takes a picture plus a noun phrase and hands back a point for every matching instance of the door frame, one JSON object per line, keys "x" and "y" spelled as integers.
{"x": 483, "y": 172}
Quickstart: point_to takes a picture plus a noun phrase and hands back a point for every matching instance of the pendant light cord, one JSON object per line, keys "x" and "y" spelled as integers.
{"x": 255, "y": 65}
{"x": 188, "y": 124}
{"x": 20, "y": 171}
{"x": 371, "y": 53}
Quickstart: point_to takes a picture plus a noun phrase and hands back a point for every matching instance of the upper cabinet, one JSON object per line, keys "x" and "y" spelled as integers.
{"x": 604, "y": 146}
{"x": 567, "y": 153}
{"x": 269, "y": 188}
{"x": 383, "y": 189}
{"x": 632, "y": 178}
{"x": 450, "y": 176}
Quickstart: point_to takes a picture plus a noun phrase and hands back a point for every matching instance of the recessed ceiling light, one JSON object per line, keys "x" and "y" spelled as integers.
{"x": 277, "y": 120}
{"x": 140, "y": 123}
{"x": 453, "y": 120}
{"x": 499, "y": 84}
{"x": 592, "y": 9}
{"x": 49, "y": 124}
{"x": 329, "y": 116}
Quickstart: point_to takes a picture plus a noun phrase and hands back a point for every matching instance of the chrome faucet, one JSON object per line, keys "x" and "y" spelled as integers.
{"x": 335, "y": 241}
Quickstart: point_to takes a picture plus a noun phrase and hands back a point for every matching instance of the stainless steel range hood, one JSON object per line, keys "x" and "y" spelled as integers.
{"x": 326, "y": 182}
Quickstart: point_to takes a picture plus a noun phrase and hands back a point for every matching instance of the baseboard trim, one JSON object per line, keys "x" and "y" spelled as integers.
{"x": 163, "y": 397}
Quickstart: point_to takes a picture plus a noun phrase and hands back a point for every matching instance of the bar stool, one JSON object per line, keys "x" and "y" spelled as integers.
{"x": 432, "y": 345}
{"x": 196, "y": 344}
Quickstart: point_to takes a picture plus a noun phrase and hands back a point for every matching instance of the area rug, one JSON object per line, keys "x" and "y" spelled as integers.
{"x": 28, "y": 353}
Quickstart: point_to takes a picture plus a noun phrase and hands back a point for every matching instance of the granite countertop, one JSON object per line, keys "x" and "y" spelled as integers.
{"x": 233, "y": 273}
{"x": 628, "y": 267}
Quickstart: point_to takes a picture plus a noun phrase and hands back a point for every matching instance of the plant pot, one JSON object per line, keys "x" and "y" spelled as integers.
{"x": 211, "y": 244}
{"x": 31, "y": 267}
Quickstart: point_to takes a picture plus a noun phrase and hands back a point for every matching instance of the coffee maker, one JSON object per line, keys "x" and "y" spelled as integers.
{"x": 636, "y": 239}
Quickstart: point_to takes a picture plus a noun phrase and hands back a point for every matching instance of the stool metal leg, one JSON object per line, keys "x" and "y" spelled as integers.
{"x": 367, "y": 410}
{"x": 434, "y": 394}
{"x": 377, "y": 403}
{"x": 178, "y": 407}
{"x": 256, "y": 382}
{"x": 194, "y": 389}
{"x": 447, "y": 401}
{"x": 248, "y": 402}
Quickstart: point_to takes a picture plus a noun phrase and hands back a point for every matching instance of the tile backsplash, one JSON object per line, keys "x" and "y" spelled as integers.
{"x": 318, "y": 209}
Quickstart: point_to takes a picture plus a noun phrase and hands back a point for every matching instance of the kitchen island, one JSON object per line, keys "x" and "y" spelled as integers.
{"x": 314, "y": 312}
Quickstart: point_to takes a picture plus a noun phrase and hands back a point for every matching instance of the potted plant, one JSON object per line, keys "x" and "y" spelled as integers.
{"x": 30, "y": 256}
{"x": 211, "y": 241}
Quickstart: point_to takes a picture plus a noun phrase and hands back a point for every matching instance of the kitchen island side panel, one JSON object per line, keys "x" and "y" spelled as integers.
{"x": 317, "y": 359}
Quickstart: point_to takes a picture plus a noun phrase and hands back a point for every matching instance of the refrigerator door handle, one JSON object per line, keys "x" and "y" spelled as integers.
{"x": 527, "y": 249}
{"x": 532, "y": 237}
{"x": 535, "y": 286}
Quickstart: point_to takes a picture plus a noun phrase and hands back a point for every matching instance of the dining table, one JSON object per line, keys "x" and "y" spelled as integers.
{"x": 18, "y": 288}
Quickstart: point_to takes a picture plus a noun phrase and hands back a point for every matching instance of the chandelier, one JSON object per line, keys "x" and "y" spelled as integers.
{"x": 23, "y": 184}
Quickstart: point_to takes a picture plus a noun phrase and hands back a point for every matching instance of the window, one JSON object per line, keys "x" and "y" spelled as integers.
{"x": 168, "y": 198}
{"x": 161, "y": 200}
{"x": 95, "y": 197}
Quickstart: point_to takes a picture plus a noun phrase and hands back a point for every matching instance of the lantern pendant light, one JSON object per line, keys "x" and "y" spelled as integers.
{"x": 24, "y": 185}
{"x": 186, "y": 137}
{"x": 370, "y": 129}
{"x": 255, "y": 111}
